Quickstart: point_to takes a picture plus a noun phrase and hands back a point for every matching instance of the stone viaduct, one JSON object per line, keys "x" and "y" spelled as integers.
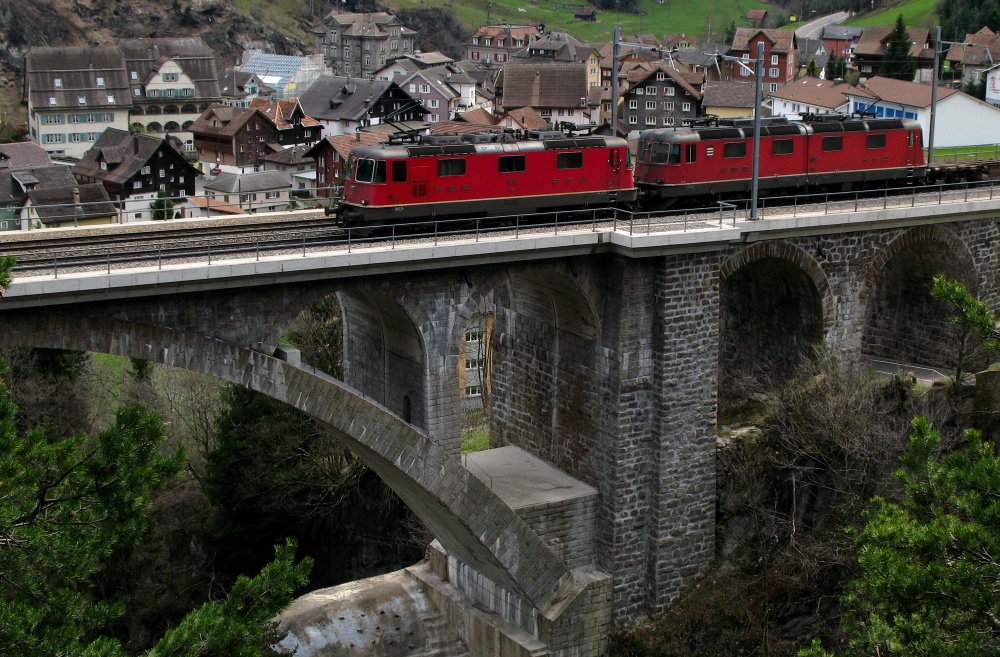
{"x": 609, "y": 353}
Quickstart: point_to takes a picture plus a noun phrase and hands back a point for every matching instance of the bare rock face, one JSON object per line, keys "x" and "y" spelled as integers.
{"x": 384, "y": 616}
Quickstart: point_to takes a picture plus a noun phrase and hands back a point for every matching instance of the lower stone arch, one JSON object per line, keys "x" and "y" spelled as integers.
{"x": 773, "y": 312}
{"x": 469, "y": 519}
{"x": 903, "y": 323}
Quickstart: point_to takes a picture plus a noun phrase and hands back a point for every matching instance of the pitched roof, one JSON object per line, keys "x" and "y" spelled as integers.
{"x": 842, "y": 32}
{"x": 781, "y": 40}
{"x": 516, "y": 31}
{"x": 125, "y": 153}
{"x": 247, "y": 183}
{"x": 276, "y": 71}
{"x": 544, "y": 84}
{"x": 900, "y": 92}
{"x": 364, "y": 24}
{"x": 555, "y": 46}
{"x": 873, "y": 41}
{"x": 478, "y": 116}
{"x": 234, "y": 83}
{"x": 77, "y": 77}
{"x": 289, "y": 156}
{"x": 677, "y": 74}
{"x": 337, "y": 97}
{"x": 980, "y": 49}
{"x": 14, "y": 184}
{"x": 462, "y": 128}
{"x": 281, "y": 112}
{"x": 231, "y": 120}
{"x": 526, "y": 117}
{"x": 55, "y": 205}
{"x": 815, "y": 92}
{"x": 215, "y": 206}
{"x": 703, "y": 55}
{"x": 342, "y": 144}
{"x": 144, "y": 57}
{"x": 739, "y": 95}
{"x": 23, "y": 154}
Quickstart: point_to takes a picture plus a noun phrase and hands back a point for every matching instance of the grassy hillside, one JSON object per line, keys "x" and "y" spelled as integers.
{"x": 916, "y": 13}
{"x": 672, "y": 16}
{"x": 286, "y": 16}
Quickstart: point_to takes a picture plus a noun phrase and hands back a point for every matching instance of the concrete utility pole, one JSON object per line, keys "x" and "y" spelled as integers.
{"x": 758, "y": 73}
{"x": 615, "y": 54}
{"x": 934, "y": 84}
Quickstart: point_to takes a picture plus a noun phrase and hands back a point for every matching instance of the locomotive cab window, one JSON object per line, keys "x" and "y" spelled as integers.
{"x": 399, "y": 171}
{"x": 692, "y": 153}
{"x": 454, "y": 167}
{"x": 512, "y": 163}
{"x": 370, "y": 171}
{"x": 666, "y": 154}
{"x": 734, "y": 149}
{"x": 569, "y": 161}
{"x": 782, "y": 147}
{"x": 831, "y": 144}
{"x": 876, "y": 141}
{"x": 910, "y": 138}
{"x": 641, "y": 152}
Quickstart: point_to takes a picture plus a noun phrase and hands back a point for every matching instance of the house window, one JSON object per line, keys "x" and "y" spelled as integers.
{"x": 632, "y": 120}
{"x": 138, "y": 92}
{"x": 170, "y": 77}
{"x": 413, "y": 88}
{"x": 685, "y": 107}
{"x": 432, "y": 118}
{"x": 545, "y": 112}
{"x": 774, "y": 60}
{"x": 669, "y": 91}
{"x": 866, "y": 68}
{"x": 100, "y": 82}
{"x": 145, "y": 170}
{"x": 433, "y": 103}
{"x": 650, "y": 120}
{"x": 52, "y": 101}
{"x": 163, "y": 173}
{"x": 668, "y": 120}
{"x": 104, "y": 165}
{"x": 651, "y": 104}
{"x": 134, "y": 75}
{"x": 650, "y": 91}
{"x": 668, "y": 105}
{"x": 394, "y": 45}
{"x": 773, "y": 87}
{"x": 137, "y": 184}
{"x": 82, "y": 100}
{"x": 74, "y": 118}
{"x": 271, "y": 195}
{"x": 425, "y": 88}
{"x": 58, "y": 83}
{"x": 772, "y": 73}
{"x": 475, "y": 41}
{"x": 744, "y": 72}
{"x": 660, "y": 76}
{"x": 111, "y": 99}
{"x": 633, "y": 104}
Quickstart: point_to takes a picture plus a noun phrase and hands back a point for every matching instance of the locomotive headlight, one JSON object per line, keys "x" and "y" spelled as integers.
{"x": 364, "y": 202}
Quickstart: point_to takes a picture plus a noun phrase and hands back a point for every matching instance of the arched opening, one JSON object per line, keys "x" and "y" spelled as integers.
{"x": 153, "y": 109}
{"x": 154, "y": 127}
{"x": 137, "y": 111}
{"x": 771, "y": 318}
{"x": 189, "y": 109}
{"x": 903, "y": 323}
{"x": 170, "y": 109}
{"x": 171, "y": 126}
{"x": 186, "y": 125}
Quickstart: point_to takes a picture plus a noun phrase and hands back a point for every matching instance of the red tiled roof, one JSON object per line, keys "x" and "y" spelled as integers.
{"x": 781, "y": 40}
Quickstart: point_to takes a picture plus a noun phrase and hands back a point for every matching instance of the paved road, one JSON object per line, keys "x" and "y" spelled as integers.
{"x": 814, "y": 28}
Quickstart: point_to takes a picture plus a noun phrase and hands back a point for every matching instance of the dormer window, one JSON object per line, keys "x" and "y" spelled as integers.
{"x": 134, "y": 75}
{"x": 111, "y": 99}
{"x": 104, "y": 166}
{"x": 58, "y": 83}
{"x": 138, "y": 92}
{"x": 82, "y": 99}
{"x": 52, "y": 101}
{"x": 100, "y": 82}
{"x": 215, "y": 124}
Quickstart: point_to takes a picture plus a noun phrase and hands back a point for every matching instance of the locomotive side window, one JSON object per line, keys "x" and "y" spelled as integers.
{"x": 569, "y": 161}
{"x": 454, "y": 167}
{"x": 692, "y": 152}
{"x": 365, "y": 171}
{"x": 379, "y": 176}
{"x": 909, "y": 139}
{"x": 643, "y": 149}
{"x": 666, "y": 154}
{"x": 876, "y": 141}
{"x": 512, "y": 163}
{"x": 734, "y": 149}
{"x": 399, "y": 171}
{"x": 782, "y": 147}
{"x": 831, "y": 144}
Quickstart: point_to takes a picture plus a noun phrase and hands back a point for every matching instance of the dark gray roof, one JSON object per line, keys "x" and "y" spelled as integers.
{"x": 337, "y": 97}
{"x": 13, "y": 184}
{"x": 55, "y": 205}
{"x": 728, "y": 94}
{"x": 247, "y": 183}
{"x": 145, "y": 56}
{"x": 234, "y": 83}
{"x": 290, "y": 156}
{"x": 544, "y": 85}
{"x": 125, "y": 153}
{"x": 558, "y": 46}
{"x": 91, "y": 77}
{"x": 23, "y": 154}
{"x": 703, "y": 55}
{"x": 842, "y": 32}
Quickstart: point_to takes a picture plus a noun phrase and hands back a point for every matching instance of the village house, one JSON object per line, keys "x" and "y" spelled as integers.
{"x": 840, "y": 40}
{"x": 495, "y": 44}
{"x": 977, "y": 54}
{"x": 779, "y": 55}
{"x": 172, "y": 82}
{"x": 70, "y": 205}
{"x": 443, "y": 91}
{"x": 264, "y": 191}
{"x": 286, "y": 75}
{"x": 23, "y": 155}
{"x": 292, "y": 125}
{"x": 408, "y": 64}
{"x": 233, "y": 139}
{"x": 956, "y": 111}
{"x": 809, "y": 96}
{"x": 299, "y": 169}
{"x": 343, "y": 105}
{"x": 136, "y": 168}
{"x": 239, "y": 88}
{"x": 870, "y": 51}
{"x": 523, "y": 119}
{"x": 357, "y": 45}
{"x": 728, "y": 100}
{"x": 73, "y": 94}
{"x": 562, "y": 48}
{"x": 559, "y": 91}
{"x": 707, "y": 60}
{"x": 659, "y": 97}
{"x": 16, "y": 183}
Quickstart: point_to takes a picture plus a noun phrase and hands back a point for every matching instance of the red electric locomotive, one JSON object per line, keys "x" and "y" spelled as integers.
{"x": 484, "y": 175}
{"x": 835, "y": 153}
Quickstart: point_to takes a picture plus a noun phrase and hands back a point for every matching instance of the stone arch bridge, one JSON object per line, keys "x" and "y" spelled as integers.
{"x": 609, "y": 355}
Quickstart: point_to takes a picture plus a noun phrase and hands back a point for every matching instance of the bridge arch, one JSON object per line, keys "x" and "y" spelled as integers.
{"x": 774, "y": 308}
{"x": 902, "y": 321}
{"x": 467, "y": 518}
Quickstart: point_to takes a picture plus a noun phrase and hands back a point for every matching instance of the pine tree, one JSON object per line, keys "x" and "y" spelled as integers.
{"x": 898, "y": 63}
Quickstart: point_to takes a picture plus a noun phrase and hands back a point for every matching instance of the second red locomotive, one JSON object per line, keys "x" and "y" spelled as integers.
{"x": 484, "y": 175}
{"x": 835, "y": 153}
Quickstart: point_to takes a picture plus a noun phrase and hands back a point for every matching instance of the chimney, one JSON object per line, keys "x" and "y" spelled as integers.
{"x": 135, "y": 143}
